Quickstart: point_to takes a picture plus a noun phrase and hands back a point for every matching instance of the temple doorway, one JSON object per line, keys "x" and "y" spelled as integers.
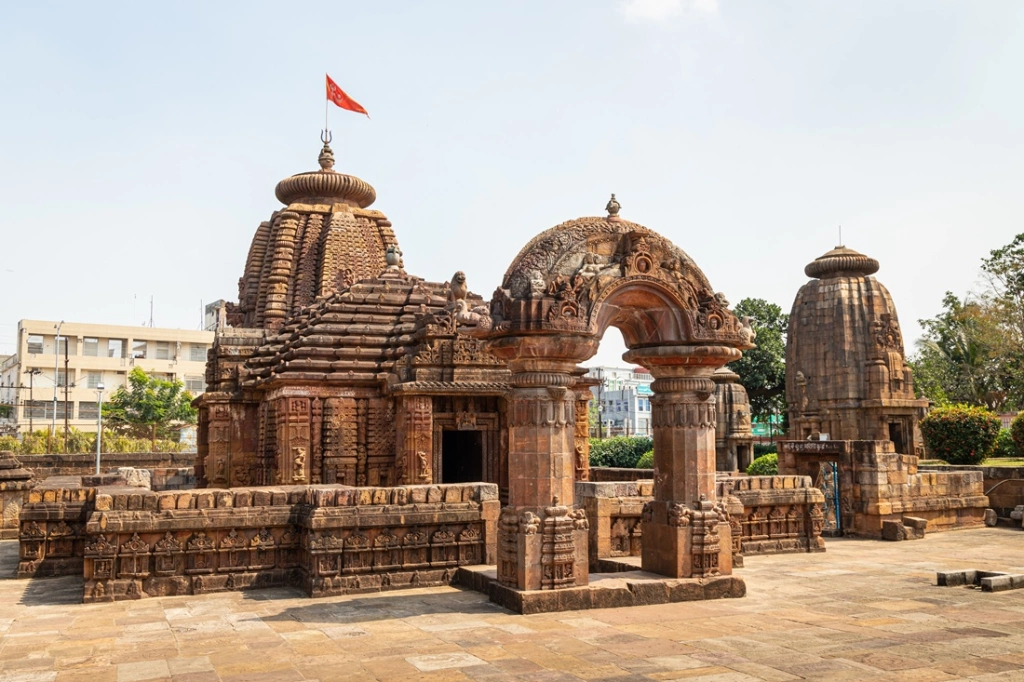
{"x": 897, "y": 434}
{"x": 462, "y": 456}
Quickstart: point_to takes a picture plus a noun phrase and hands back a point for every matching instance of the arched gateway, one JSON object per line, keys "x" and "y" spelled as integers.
{"x": 561, "y": 293}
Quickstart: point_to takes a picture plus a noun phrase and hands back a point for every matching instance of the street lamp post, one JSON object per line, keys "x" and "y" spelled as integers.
{"x": 99, "y": 424}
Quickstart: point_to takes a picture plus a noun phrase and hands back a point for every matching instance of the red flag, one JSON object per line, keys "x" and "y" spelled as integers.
{"x": 338, "y": 96}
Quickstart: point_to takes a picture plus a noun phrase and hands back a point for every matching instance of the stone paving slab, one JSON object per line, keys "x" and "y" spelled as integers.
{"x": 863, "y": 610}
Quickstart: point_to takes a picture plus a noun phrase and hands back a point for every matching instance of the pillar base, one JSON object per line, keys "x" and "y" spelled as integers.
{"x": 686, "y": 541}
{"x": 542, "y": 548}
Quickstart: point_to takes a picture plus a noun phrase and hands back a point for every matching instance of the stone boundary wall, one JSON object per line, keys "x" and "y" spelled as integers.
{"x": 134, "y": 543}
{"x": 46, "y": 466}
{"x": 767, "y": 515}
{"x": 781, "y": 514}
{"x": 614, "y": 512}
{"x": 1004, "y": 486}
{"x": 619, "y": 474}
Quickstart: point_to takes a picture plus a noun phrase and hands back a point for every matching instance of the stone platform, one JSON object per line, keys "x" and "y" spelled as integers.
{"x": 606, "y": 590}
{"x": 863, "y": 610}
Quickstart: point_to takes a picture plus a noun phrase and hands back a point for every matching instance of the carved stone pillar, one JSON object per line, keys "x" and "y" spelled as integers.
{"x": 582, "y": 434}
{"x": 542, "y": 537}
{"x": 685, "y": 528}
{"x": 414, "y": 440}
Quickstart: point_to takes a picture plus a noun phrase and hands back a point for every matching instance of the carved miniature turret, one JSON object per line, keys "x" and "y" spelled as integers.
{"x": 846, "y": 374}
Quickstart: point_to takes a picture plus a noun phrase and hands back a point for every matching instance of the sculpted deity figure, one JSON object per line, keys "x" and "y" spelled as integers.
{"x": 422, "y": 460}
{"x": 537, "y": 285}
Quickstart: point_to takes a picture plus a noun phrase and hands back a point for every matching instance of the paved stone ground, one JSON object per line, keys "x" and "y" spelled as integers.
{"x": 864, "y": 610}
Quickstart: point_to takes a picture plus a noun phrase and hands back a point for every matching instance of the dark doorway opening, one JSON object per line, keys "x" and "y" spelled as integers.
{"x": 897, "y": 438}
{"x": 462, "y": 456}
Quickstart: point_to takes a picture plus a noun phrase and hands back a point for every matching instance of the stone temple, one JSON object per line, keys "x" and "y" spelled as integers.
{"x": 853, "y": 412}
{"x": 340, "y": 367}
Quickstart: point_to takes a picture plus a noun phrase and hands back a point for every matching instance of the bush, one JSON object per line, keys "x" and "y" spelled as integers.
{"x": 41, "y": 443}
{"x": 765, "y": 465}
{"x": 646, "y": 460}
{"x": 620, "y": 451}
{"x": 960, "y": 434}
{"x": 763, "y": 449}
{"x": 1004, "y": 446}
{"x": 1017, "y": 432}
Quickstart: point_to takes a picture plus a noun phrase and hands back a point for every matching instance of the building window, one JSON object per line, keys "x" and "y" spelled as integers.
{"x": 116, "y": 348}
{"x": 139, "y": 350}
{"x": 34, "y": 409}
{"x": 87, "y": 410}
{"x": 194, "y": 384}
{"x": 62, "y": 344}
{"x": 94, "y": 379}
{"x": 163, "y": 350}
{"x": 35, "y": 344}
{"x": 62, "y": 378}
{"x": 90, "y": 347}
{"x": 197, "y": 352}
{"x": 43, "y": 409}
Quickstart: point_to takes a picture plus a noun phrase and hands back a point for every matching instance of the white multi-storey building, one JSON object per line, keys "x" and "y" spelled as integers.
{"x": 71, "y": 367}
{"x": 623, "y": 400}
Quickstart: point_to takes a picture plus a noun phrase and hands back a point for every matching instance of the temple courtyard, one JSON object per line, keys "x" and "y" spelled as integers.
{"x": 862, "y": 610}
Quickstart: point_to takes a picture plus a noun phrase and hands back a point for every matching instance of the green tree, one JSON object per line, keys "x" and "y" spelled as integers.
{"x": 961, "y": 359}
{"x": 762, "y": 370}
{"x": 149, "y": 406}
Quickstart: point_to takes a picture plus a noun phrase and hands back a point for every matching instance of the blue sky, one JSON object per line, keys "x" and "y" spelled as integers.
{"x": 142, "y": 142}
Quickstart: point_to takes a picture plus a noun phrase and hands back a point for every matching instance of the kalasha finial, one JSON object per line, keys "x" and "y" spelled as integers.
{"x": 326, "y": 158}
{"x": 613, "y": 207}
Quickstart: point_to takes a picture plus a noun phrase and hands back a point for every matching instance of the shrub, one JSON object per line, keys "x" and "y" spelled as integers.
{"x": 620, "y": 451}
{"x": 763, "y": 449}
{"x": 646, "y": 460}
{"x": 10, "y": 443}
{"x": 960, "y": 434}
{"x": 765, "y": 465}
{"x": 1017, "y": 432}
{"x": 1004, "y": 447}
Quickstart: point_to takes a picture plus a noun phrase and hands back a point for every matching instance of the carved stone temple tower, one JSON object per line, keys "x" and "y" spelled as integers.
{"x": 845, "y": 370}
{"x": 337, "y": 366}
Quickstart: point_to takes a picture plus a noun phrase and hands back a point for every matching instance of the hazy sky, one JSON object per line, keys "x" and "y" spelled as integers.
{"x": 141, "y": 142}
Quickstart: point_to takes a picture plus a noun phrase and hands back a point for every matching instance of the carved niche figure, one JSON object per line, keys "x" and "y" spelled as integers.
{"x": 299, "y": 464}
{"x": 465, "y": 420}
{"x": 422, "y": 462}
{"x": 801, "y": 383}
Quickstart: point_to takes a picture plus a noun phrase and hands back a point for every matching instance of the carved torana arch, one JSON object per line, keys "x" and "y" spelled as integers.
{"x": 559, "y": 296}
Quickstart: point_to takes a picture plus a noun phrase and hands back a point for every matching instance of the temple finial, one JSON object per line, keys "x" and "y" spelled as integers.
{"x": 613, "y": 207}
{"x": 326, "y": 158}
